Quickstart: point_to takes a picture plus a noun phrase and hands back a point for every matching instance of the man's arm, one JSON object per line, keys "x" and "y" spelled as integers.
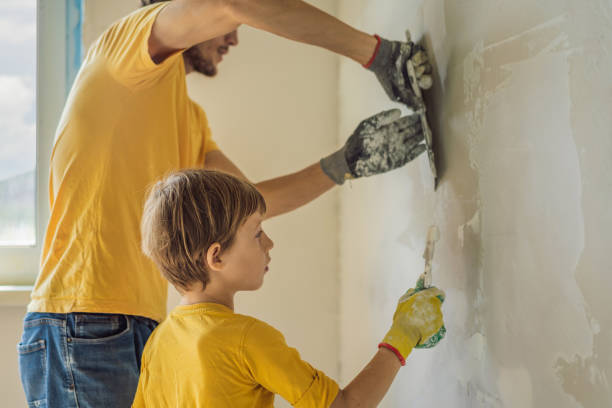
{"x": 380, "y": 143}
{"x": 184, "y": 23}
{"x": 282, "y": 194}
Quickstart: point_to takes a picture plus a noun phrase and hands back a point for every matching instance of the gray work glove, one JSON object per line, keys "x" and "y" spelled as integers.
{"x": 389, "y": 65}
{"x": 380, "y": 143}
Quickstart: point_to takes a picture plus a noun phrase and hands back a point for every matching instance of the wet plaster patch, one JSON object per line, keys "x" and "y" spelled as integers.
{"x": 583, "y": 379}
{"x": 472, "y": 226}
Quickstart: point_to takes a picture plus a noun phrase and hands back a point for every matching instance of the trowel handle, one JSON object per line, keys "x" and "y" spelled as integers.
{"x": 433, "y": 235}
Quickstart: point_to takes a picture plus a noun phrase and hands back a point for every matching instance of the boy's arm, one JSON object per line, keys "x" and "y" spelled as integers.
{"x": 418, "y": 317}
{"x": 372, "y": 383}
{"x": 184, "y": 23}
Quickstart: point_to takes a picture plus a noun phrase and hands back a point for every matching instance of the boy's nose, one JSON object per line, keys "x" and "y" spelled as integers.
{"x": 232, "y": 38}
{"x": 269, "y": 242}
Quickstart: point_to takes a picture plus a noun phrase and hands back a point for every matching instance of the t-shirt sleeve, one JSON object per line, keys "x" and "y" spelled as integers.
{"x": 125, "y": 49}
{"x": 203, "y": 136}
{"x": 278, "y": 368}
{"x": 209, "y": 144}
{"x": 139, "y": 398}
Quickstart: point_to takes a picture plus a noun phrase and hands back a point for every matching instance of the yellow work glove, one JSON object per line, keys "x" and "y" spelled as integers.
{"x": 418, "y": 317}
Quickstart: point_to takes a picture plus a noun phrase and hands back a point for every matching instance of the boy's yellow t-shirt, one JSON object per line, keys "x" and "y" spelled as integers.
{"x": 127, "y": 122}
{"x": 205, "y": 355}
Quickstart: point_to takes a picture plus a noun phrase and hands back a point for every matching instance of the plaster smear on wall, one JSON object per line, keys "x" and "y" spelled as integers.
{"x": 532, "y": 225}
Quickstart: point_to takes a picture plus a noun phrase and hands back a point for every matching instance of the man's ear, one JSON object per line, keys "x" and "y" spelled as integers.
{"x": 213, "y": 257}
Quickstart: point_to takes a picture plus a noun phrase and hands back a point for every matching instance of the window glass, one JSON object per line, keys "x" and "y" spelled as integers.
{"x": 17, "y": 122}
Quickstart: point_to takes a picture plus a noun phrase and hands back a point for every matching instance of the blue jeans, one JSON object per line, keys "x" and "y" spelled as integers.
{"x": 81, "y": 360}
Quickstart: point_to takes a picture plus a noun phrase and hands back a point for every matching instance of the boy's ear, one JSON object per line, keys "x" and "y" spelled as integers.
{"x": 213, "y": 257}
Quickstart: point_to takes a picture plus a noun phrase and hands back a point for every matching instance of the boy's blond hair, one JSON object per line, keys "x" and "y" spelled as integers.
{"x": 186, "y": 213}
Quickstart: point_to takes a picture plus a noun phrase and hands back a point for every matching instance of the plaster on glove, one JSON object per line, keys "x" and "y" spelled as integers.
{"x": 418, "y": 317}
{"x": 380, "y": 143}
{"x": 434, "y": 339}
{"x": 389, "y": 65}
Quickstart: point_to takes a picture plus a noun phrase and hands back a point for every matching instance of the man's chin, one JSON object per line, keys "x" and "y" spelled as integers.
{"x": 205, "y": 67}
{"x": 209, "y": 72}
{"x": 199, "y": 63}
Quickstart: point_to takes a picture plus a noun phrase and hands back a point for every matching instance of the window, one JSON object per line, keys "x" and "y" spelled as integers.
{"x": 40, "y": 43}
{"x": 18, "y": 123}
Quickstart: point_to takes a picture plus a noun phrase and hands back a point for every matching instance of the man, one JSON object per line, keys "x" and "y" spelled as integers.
{"x": 127, "y": 122}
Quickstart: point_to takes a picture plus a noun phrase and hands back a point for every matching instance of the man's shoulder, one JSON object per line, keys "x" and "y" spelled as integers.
{"x": 196, "y": 107}
{"x": 136, "y": 17}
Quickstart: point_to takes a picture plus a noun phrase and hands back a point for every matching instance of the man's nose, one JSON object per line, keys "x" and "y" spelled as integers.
{"x": 232, "y": 38}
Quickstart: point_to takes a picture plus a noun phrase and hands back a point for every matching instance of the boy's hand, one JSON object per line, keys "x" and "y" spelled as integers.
{"x": 389, "y": 65}
{"x": 418, "y": 317}
{"x": 380, "y": 143}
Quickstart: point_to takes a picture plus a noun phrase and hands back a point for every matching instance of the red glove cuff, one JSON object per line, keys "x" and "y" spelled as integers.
{"x": 395, "y": 351}
{"x": 367, "y": 65}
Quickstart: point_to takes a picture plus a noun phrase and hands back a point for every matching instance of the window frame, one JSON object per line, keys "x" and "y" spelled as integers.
{"x": 59, "y": 52}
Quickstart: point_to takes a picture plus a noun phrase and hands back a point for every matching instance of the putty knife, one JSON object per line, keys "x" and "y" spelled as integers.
{"x": 433, "y": 235}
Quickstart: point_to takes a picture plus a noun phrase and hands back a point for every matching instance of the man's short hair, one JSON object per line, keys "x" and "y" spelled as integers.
{"x": 186, "y": 213}
{"x": 149, "y": 2}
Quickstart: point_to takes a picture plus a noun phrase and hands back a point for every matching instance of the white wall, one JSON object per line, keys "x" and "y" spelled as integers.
{"x": 521, "y": 114}
{"x": 273, "y": 110}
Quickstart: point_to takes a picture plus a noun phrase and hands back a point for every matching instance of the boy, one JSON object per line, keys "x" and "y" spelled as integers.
{"x": 203, "y": 230}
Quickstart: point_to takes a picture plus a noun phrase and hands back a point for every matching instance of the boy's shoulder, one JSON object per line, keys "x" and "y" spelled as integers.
{"x": 218, "y": 326}
{"x": 211, "y": 317}
{"x": 258, "y": 333}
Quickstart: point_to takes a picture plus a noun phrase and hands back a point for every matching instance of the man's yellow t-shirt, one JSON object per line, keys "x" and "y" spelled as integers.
{"x": 205, "y": 355}
{"x": 127, "y": 123}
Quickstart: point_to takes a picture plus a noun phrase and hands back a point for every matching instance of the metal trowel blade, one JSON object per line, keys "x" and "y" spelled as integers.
{"x": 422, "y": 112}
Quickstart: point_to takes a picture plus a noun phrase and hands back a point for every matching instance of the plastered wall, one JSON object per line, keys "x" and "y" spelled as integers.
{"x": 521, "y": 116}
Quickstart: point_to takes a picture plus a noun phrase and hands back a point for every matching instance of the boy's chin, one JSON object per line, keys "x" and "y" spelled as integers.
{"x": 253, "y": 286}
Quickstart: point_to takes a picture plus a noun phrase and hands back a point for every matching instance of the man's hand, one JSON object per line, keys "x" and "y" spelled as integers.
{"x": 380, "y": 143}
{"x": 418, "y": 317}
{"x": 389, "y": 65}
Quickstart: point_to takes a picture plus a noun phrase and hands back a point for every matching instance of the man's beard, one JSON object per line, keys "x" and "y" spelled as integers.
{"x": 194, "y": 57}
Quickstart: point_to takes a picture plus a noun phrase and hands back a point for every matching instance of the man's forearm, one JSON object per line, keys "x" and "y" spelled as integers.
{"x": 299, "y": 21}
{"x": 286, "y": 193}
{"x": 184, "y": 23}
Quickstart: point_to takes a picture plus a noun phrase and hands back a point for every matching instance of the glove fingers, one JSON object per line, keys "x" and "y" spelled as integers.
{"x": 406, "y": 295}
{"x": 422, "y": 70}
{"x": 434, "y": 292}
{"x": 413, "y": 136}
{"x": 426, "y": 292}
{"x": 425, "y": 82}
{"x": 384, "y": 118}
{"x": 420, "y": 284}
{"x": 416, "y": 152}
{"x": 406, "y": 122}
{"x": 419, "y": 57}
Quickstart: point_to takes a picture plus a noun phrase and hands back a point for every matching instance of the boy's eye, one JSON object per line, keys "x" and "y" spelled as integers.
{"x": 259, "y": 234}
